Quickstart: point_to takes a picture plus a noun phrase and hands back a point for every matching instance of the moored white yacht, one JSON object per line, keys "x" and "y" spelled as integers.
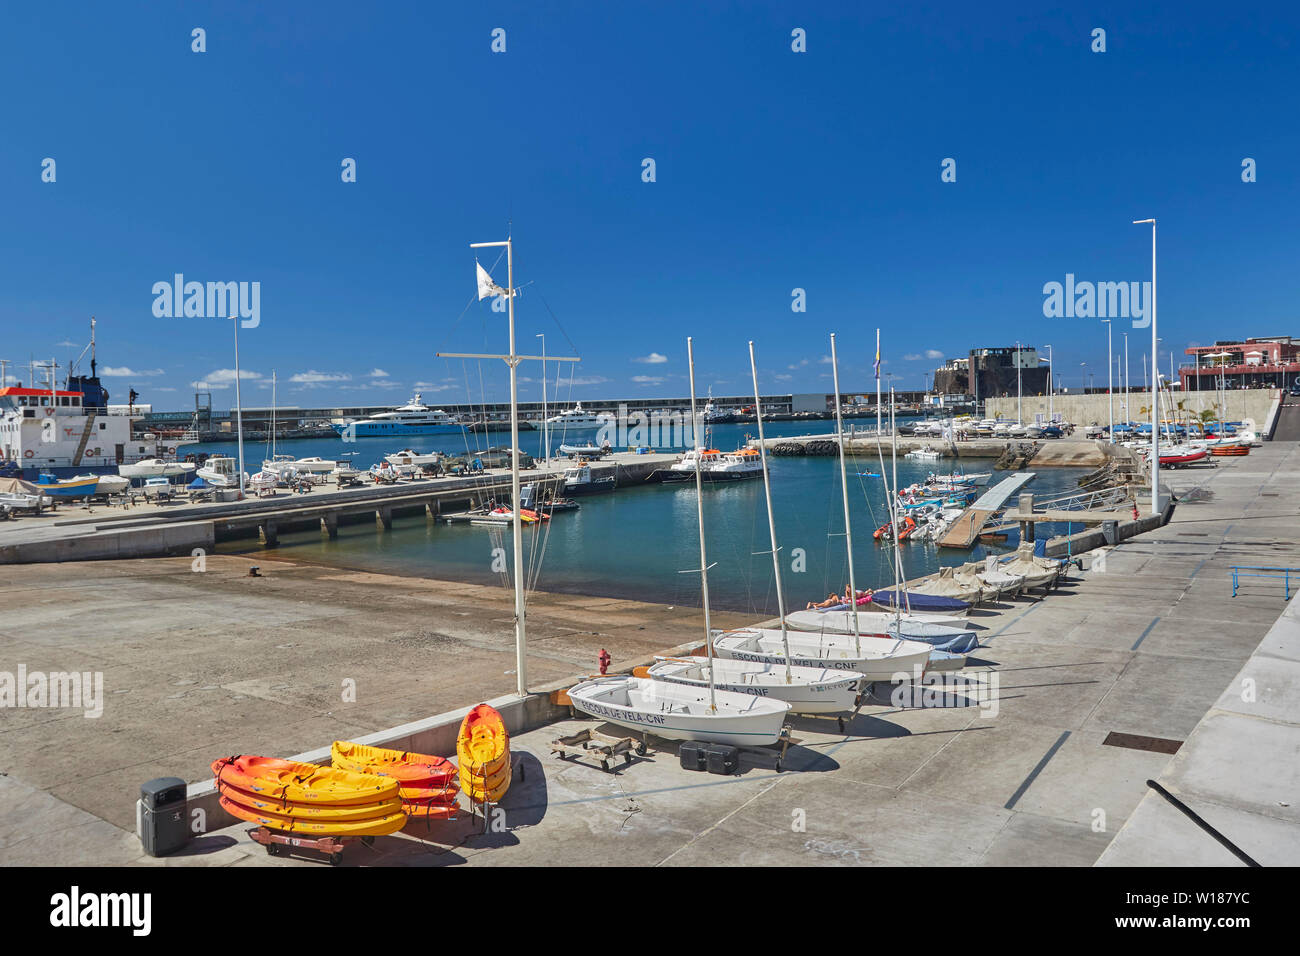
{"x": 577, "y": 418}
{"x": 413, "y": 418}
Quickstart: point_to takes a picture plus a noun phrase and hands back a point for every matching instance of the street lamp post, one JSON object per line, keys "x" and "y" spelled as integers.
{"x": 1020, "y": 418}
{"x": 1051, "y": 388}
{"x": 1155, "y": 376}
{"x": 239, "y": 408}
{"x": 1110, "y": 394}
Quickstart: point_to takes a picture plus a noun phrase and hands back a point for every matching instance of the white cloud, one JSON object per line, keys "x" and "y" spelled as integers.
{"x": 933, "y": 354}
{"x": 313, "y": 377}
{"x": 782, "y": 377}
{"x": 430, "y": 387}
{"x": 797, "y": 365}
{"x": 647, "y": 379}
{"x": 65, "y": 344}
{"x": 121, "y": 371}
{"x": 378, "y": 373}
{"x": 654, "y": 358}
{"x": 824, "y": 360}
{"x": 912, "y": 357}
{"x": 591, "y": 380}
{"x": 223, "y": 378}
{"x": 166, "y": 388}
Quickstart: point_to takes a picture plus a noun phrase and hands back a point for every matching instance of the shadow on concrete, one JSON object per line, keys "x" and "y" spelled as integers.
{"x": 203, "y": 845}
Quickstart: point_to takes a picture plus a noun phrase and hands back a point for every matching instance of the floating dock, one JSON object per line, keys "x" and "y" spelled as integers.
{"x": 966, "y": 529}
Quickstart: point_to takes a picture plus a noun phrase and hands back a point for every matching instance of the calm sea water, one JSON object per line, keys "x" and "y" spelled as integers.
{"x": 642, "y": 542}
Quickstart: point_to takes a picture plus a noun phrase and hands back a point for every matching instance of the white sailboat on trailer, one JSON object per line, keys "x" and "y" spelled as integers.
{"x": 808, "y": 690}
{"x": 876, "y": 657}
{"x": 686, "y": 711}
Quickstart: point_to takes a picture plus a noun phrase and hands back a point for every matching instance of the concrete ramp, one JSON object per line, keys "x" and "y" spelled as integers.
{"x": 970, "y": 523}
{"x": 1287, "y": 426}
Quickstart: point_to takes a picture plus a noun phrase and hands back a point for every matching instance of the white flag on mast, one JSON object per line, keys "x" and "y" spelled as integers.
{"x": 486, "y": 287}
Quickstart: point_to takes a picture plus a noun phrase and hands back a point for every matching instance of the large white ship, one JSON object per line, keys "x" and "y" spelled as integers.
{"x": 72, "y": 430}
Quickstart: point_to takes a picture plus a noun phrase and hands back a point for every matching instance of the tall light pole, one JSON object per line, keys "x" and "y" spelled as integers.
{"x": 1110, "y": 394}
{"x": 1126, "y": 411}
{"x": 1051, "y": 389}
{"x": 239, "y": 408}
{"x": 1020, "y": 418}
{"x": 1155, "y": 376}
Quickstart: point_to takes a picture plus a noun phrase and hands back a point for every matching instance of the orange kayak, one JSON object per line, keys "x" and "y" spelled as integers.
{"x": 261, "y": 803}
{"x": 410, "y": 770}
{"x": 371, "y": 826}
{"x": 303, "y": 782}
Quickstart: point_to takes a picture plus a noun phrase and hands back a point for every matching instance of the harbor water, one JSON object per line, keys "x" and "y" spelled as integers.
{"x": 641, "y": 542}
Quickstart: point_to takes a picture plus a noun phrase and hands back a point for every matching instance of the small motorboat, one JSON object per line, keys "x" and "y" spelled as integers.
{"x": 1180, "y": 455}
{"x": 580, "y": 481}
{"x": 108, "y": 484}
{"x": 408, "y": 457}
{"x": 585, "y": 451}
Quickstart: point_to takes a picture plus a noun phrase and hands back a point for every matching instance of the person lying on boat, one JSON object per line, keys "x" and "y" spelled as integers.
{"x": 834, "y": 600}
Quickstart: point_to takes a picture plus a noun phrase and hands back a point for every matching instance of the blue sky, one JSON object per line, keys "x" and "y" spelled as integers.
{"x": 775, "y": 170}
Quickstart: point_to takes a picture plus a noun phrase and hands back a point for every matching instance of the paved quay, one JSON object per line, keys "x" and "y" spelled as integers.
{"x": 1026, "y": 772}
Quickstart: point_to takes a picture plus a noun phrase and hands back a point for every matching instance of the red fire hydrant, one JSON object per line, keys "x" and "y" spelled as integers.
{"x": 1135, "y": 512}
{"x": 603, "y": 659}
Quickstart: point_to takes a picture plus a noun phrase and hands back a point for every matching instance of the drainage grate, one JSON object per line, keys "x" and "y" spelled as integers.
{"x": 1193, "y": 534}
{"x": 1155, "y": 745}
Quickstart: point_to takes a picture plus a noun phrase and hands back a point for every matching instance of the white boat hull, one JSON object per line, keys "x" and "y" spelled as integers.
{"x": 681, "y": 712}
{"x": 811, "y": 690}
{"x": 876, "y": 658}
{"x": 869, "y": 622}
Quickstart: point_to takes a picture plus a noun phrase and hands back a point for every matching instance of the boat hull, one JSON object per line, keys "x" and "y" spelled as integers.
{"x": 389, "y": 429}
{"x": 680, "y": 712}
{"x": 811, "y": 691}
{"x": 876, "y": 658}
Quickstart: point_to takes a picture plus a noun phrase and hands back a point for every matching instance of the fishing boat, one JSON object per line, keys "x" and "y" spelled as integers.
{"x": 67, "y": 488}
{"x": 679, "y": 711}
{"x": 580, "y": 481}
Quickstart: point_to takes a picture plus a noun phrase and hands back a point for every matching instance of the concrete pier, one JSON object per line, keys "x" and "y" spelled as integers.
{"x": 74, "y": 534}
{"x": 1075, "y": 701}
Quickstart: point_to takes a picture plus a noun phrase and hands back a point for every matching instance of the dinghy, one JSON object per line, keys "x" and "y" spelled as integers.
{"x": 870, "y": 621}
{"x": 919, "y": 601}
{"x": 808, "y": 690}
{"x": 677, "y": 711}
{"x": 876, "y": 658}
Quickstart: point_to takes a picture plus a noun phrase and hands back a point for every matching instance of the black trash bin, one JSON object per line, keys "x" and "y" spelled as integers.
{"x": 164, "y": 824}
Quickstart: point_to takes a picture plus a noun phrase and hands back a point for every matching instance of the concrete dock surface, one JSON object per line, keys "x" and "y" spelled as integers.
{"x": 1146, "y": 644}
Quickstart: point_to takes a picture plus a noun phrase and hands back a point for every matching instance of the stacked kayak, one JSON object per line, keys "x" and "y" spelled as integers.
{"x": 483, "y": 751}
{"x": 307, "y": 799}
{"x": 426, "y": 784}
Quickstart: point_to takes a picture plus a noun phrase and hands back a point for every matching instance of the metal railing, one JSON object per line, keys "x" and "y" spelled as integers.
{"x": 1248, "y": 571}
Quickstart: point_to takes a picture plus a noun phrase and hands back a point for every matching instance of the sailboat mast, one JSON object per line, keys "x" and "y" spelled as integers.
{"x": 272, "y": 418}
{"x": 771, "y": 523}
{"x": 844, "y": 483}
{"x": 516, "y": 530}
{"x": 699, "y": 513}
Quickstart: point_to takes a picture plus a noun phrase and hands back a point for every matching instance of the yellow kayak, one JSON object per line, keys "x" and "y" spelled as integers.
{"x": 303, "y": 782}
{"x": 483, "y": 750}
{"x": 261, "y": 803}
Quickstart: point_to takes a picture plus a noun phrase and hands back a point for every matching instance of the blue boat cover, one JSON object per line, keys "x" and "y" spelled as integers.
{"x": 197, "y": 483}
{"x": 921, "y": 602}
